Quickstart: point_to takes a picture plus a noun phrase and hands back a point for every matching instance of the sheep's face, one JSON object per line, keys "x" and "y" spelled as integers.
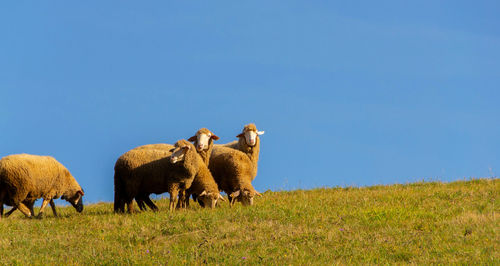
{"x": 250, "y": 134}
{"x": 209, "y": 199}
{"x": 179, "y": 152}
{"x": 76, "y": 200}
{"x": 202, "y": 139}
{"x": 245, "y": 196}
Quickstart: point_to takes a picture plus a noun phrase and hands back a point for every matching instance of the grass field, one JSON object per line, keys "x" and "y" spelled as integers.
{"x": 413, "y": 223}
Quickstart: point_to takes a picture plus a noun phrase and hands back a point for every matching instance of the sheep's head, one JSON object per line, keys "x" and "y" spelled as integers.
{"x": 179, "y": 151}
{"x": 202, "y": 139}
{"x": 209, "y": 199}
{"x": 245, "y": 196}
{"x": 75, "y": 198}
{"x": 250, "y": 134}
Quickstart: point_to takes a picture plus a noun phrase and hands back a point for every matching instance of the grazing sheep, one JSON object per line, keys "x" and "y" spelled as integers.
{"x": 25, "y": 178}
{"x": 204, "y": 187}
{"x": 140, "y": 172}
{"x": 234, "y": 165}
{"x": 233, "y": 171}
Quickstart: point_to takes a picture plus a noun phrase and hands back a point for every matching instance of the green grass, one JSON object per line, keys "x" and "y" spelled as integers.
{"x": 415, "y": 223}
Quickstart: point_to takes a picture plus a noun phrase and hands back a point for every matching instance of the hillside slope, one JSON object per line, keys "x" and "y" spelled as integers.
{"x": 414, "y": 223}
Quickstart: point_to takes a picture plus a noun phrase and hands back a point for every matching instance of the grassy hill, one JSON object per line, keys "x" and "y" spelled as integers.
{"x": 415, "y": 223}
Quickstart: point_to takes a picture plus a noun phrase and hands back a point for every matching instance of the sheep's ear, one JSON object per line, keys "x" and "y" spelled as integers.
{"x": 203, "y": 193}
{"x": 80, "y": 192}
{"x": 240, "y": 135}
{"x": 235, "y": 194}
{"x": 221, "y": 197}
{"x": 193, "y": 138}
{"x": 187, "y": 147}
{"x": 257, "y": 193}
{"x": 214, "y": 137}
{"x": 260, "y": 133}
{"x": 172, "y": 150}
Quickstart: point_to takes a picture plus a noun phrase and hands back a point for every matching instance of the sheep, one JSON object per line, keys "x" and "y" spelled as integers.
{"x": 249, "y": 143}
{"x": 25, "y": 178}
{"x": 203, "y": 140}
{"x": 233, "y": 171}
{"x": 234, "y": 165}
{"x": 140, "y": 172}
{"x": 202, "y": 184}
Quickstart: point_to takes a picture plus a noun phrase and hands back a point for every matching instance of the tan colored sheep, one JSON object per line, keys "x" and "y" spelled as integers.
{"x": 234, "y": 165}
{"x": 249, "y": 143}
{"x": 203, "y": 183}
{"x": 140, "y": 172}
{"x": 233, "y": 171}
{"x": 25, "y": 178}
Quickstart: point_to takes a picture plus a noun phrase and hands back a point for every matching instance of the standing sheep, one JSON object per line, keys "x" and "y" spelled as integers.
{"x": 203, "y": 183}
{"x": 25, "y": 178}
{"x": 234, "y": 165}
{"x": 140, "y": 172}
{"x": 203, "y": 140}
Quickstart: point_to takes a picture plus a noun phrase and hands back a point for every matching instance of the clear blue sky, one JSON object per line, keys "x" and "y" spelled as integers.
{"x": 348, "y": 92}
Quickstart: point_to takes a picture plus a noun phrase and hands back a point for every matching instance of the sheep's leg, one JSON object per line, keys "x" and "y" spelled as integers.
{"x": 130, "y": 205}
{"x": 30, "y": 206}
{"x": 44, "y": 204}
{"x": 182, "y": 199}
{"x": 150, "y": 203}
{"x": 173, "y": 199}
{"x": 10, "y": 212}
{"x": 186, "y": 200}
{"x": 231, "y": 200}
{"x": 140, "y": 203}
{"x": 2, "y": 194}
{"x": 53, "y": 206}
{"x": 25, "y": 210}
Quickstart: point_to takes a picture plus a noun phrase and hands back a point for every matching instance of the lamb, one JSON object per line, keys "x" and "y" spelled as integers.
{"x": 142, "y": 171}
{"x": 234, "y": 165}
{"x": 25, "y": 178}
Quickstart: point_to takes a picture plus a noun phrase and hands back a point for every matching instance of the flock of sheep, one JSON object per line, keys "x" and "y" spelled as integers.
{"x": 199, "y": 169}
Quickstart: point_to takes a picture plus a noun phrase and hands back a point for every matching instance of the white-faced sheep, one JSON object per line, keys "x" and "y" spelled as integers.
{"x": 234, "y": 165}
{"x": 25, "y": 178}
{"x": 141, "y": 172}
{"x": 249, "y": 143}
{"x": 203, "y": 186}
